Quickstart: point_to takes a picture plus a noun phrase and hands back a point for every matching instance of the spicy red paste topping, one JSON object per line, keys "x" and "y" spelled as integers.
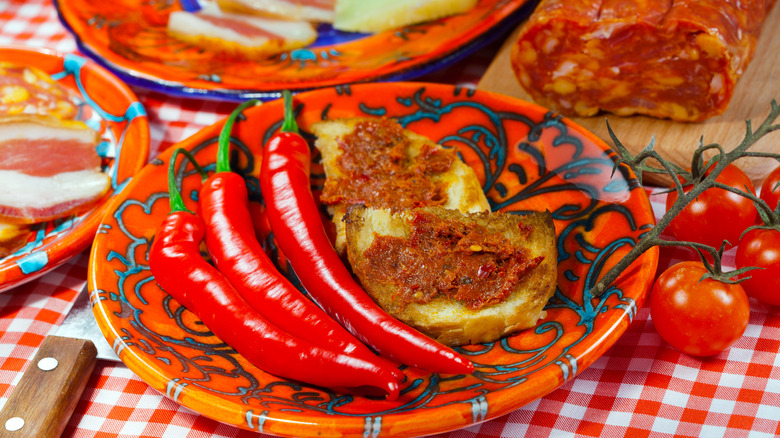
{"x": 378, "y": 173}
{"x": 445, "y": 257}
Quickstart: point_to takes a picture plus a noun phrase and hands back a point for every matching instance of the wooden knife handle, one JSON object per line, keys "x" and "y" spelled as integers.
{"x": 41, "y": 404}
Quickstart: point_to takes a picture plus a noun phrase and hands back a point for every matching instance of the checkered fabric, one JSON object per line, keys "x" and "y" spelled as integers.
{"x": 640, "y": 387}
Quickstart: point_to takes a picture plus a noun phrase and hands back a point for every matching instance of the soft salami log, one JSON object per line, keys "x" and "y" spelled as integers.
{"x": 676, "y": 59}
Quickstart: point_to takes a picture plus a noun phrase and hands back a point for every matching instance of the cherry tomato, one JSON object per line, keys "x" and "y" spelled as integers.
{"x": 697, "y": 318}
{"x": 761, "y": 248}
{"x": 716, "y": 214}
{"x": 770, "y": 191}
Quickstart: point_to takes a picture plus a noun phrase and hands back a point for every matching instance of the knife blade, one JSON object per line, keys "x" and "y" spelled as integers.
{"x": 43, "y": 401}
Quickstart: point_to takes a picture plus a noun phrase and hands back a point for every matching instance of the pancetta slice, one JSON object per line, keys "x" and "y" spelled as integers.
{"x": 238, "y": 34}
{"x": 48, "y": 169}
{"x": 298, "y": 10}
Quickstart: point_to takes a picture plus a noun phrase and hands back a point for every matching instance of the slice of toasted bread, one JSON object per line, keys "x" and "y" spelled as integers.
{"x": 400, "y": 279}
{"x": 458, "y": 185}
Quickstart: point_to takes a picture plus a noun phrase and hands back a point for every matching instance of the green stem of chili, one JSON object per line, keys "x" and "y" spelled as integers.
{"x": 174, "y": 194}
{"x": 223, "y": 152}
{"x": 290, "y": 125}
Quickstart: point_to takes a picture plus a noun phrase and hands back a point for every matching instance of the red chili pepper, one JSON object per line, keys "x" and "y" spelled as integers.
{"x": 295, "y": 220}
{"x": 179, "y": 269}
{"x": 233, "y": 245}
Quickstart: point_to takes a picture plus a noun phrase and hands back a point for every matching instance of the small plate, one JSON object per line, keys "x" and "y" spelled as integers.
{"x": 107, "y": 105}
{"x": 526, "y": 157}
{"x": 129, "y": 38}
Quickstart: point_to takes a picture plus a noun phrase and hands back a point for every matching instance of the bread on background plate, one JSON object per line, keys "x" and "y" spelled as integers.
{"x": 382, "y": 15}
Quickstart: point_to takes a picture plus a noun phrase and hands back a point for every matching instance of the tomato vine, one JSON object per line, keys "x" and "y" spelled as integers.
{"x": 688, "y": 184}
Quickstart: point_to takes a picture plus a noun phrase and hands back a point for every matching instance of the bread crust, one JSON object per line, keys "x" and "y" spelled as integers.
{"x": 448, "y": 320}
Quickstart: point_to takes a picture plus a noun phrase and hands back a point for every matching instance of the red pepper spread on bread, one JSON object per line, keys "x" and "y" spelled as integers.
{"x": 445, "y": 257}
{"x": 378, "y": 173}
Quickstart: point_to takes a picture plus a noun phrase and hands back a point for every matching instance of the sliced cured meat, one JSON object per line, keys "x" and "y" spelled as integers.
{"x": 298, "y": 10}
{"x": 45, "y": 147}
{"x": 48, "y": 169}
{"x": 30, "y": 199}
{"x": 28, "y": 90}
{"x": 677, "y": 59}
{"x": 237, "y": 34}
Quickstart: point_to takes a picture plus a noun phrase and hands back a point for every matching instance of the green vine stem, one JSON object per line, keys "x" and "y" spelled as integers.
{"x": 701, "y": 177}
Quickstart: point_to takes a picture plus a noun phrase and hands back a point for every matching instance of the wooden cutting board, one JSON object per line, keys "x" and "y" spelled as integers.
{"x": 675, "y": 141}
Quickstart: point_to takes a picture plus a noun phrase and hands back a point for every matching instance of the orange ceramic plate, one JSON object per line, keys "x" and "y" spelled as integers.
{"x": 129, "y": 37}
{"x": 527, "y": 159}
{"x": 107, "y": 105}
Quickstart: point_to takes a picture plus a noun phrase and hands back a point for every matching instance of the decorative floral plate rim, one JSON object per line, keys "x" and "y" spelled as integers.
{"x": 341, "y": 58}
{"x": 114, "y": 110}
{"x": 527, "y": 157}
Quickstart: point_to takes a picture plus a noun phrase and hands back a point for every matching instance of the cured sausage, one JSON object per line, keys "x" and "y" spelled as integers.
{"x": 677, "y": 59}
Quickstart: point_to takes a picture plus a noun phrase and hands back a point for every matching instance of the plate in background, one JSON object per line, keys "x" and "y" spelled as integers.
{"x": 107, "y": 105}
{"x": 129, "y": 38}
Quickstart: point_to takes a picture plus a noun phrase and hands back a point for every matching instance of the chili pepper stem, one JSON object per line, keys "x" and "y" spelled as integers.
{"x": 289, "y": 125}
{"x": 174, "y": 194}
{"x": 223, "y": 151}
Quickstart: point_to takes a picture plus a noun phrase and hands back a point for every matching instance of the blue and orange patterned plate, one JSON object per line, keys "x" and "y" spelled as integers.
{"x": 129, "y": 38}
{"x": 106, "y": 105}
{"x": 526, "y": 158}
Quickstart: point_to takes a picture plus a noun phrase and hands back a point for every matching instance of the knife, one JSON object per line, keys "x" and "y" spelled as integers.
{"x": 43, "y": 401}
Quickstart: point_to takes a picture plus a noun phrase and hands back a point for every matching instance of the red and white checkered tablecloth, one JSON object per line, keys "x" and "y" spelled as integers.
{"x": 640, "y": 387}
